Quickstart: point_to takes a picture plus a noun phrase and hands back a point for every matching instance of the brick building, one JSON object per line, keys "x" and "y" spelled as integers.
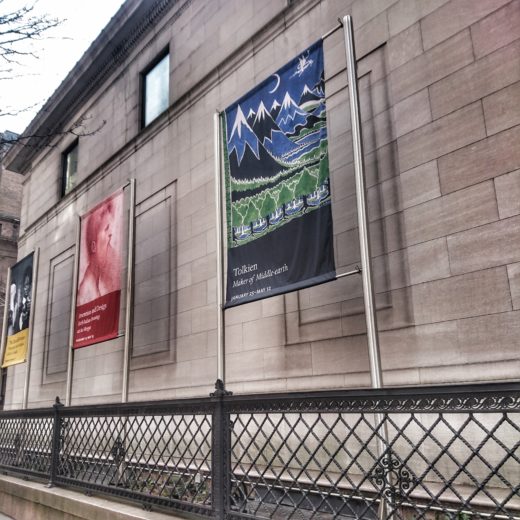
{"x": 439, "y": 85}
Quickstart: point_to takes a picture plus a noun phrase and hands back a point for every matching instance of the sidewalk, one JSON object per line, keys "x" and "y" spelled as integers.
{"x": 30, "y": 500}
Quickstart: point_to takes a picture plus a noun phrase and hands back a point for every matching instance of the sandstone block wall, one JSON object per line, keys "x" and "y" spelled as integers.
{"x": 439, "y": 84}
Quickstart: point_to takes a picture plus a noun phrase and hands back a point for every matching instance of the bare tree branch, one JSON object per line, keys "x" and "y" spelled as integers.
{"x": 10, "y": 74}
{"x": 79, "y": 129}
{"x": 11, "y": 111}
{"x": 20, "y": 28}
{"x": 22, "y": 25}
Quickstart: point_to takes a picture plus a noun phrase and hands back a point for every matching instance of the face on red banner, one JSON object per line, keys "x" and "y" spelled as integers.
{"x": 99, "y": 281}
{"x": 100, "y": 263}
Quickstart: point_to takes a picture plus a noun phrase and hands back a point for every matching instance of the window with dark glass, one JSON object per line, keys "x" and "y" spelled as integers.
{"x": 70, "y": 169}
{"x": 156, "y": 81}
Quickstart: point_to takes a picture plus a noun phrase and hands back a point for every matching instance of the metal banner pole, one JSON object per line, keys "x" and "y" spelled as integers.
{"x": 376, "y": 374}
{"x": 221, "y": 349}
{"x": 36, "y": 259}
{"x": 4, "y": 327}
{"x": 361, "y": 198}
{"x": 129, "y": 293}
{"x": 70, "y": 358}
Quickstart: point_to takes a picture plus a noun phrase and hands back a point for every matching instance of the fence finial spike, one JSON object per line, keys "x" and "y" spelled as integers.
{"x": 220, "y": 389}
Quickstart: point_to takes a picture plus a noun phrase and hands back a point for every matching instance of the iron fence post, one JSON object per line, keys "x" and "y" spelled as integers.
{"x": 221, "y": 454}
{"x": 56, "y": 442}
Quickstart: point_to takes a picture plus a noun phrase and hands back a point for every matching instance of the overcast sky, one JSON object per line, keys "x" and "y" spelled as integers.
{"x": 83, "y": 20}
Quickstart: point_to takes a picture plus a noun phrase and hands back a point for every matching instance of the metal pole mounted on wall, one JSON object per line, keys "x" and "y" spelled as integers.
{"x": 4, "y": 328}
{"x": 70, "y": 358}
{"x": 221, "y": 370}
{"x": 376, "y": 374}
{"x": 36, "y": 259}
{"x": 129, "y": 294}
{"x": 361, "y": 198}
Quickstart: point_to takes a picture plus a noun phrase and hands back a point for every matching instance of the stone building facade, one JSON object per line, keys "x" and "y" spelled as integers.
{"x": 440, "y": 90}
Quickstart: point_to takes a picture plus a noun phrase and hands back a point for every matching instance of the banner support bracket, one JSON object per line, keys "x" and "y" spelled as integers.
{"x": 333, "y": 30}
{"x": 357, "y": 270}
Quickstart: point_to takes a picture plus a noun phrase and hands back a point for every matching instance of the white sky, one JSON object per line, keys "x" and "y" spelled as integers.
{"x": 83, "y": 20}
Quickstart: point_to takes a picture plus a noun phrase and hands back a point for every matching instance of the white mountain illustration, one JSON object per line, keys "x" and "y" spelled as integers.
{"x": 290, "y": 114}
{"x": 241, "y": 136}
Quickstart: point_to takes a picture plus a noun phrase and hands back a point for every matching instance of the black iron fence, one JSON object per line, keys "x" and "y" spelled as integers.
{"x": 437, "y": 453}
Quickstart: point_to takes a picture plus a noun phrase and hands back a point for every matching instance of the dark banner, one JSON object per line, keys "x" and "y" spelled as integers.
{"x": 18, "y": 297}
{"x": 99, "y": 277}
{"x": 277, "y": 184}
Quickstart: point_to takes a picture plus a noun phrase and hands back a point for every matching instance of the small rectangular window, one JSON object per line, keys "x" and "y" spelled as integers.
{"x": 156, "y": 81}
{"x": 70, "y": 169}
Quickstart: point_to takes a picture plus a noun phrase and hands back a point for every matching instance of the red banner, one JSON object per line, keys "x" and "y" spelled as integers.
{"x": 96, "y": 321}
{"x": 99, "y": 281}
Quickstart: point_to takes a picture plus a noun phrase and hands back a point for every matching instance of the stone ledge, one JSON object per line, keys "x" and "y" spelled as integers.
{"x": 22, "y": 499}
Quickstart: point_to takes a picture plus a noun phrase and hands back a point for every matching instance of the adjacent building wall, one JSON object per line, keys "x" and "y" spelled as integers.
{"x": 439, "y": 84}
{"x": 10, "y": 203}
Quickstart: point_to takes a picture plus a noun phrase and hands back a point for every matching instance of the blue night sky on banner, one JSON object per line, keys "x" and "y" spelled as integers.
{"x": 291, "y": 78}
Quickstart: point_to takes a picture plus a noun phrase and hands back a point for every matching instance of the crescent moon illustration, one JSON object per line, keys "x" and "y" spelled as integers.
{"x": 277, "y": 83}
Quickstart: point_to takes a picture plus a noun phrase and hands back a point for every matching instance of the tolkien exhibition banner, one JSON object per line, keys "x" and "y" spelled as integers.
{"x": 99, "y": 275}
{"x": 277, "y": 184}
{"x": 18, "y": 298}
